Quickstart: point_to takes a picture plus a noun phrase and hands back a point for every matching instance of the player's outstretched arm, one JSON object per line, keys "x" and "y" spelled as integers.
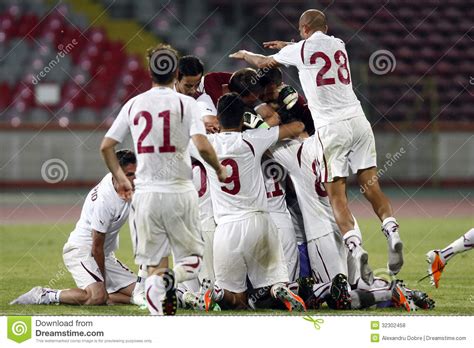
{"x": 254, "y": 59}
{"x": 276, "y": 44}
{"x": 291, "y": 130}
{"x": 107, "y": 149}
{"x": 209, "y": 155}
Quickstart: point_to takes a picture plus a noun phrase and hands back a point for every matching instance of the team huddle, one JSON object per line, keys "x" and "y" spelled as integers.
{"x": 243, "y": 182}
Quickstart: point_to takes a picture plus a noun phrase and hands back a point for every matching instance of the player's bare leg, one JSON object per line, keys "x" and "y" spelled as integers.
{"x": 160, "y": 289}
{"x": 369, "y": 184}
{"x": 337, "y": 196}
{"x": 123, "y": 296}
{"x": 94, "y": 294}
{"x": 437, "y": 259}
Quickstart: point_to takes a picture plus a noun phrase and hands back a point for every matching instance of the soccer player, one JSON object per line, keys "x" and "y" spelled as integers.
{"x": 89, "y": 252}
{"x": 438, "y": 258}
{"x": 284, "y": 98}
{"x": 164, "y": 211}
{"x": 190, "y": 75}
{"x": 246, "y": 242}
{"x": 343, "y": 131}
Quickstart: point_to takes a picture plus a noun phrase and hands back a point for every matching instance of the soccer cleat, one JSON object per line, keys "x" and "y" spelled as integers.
{"x": 400, "y": 297}
{"x": 209, "y": 303}
{"x": 33, "y": 296}
{"x": 170, "y": 302}
{"x": 362, "y": 258}
{"x": 421, "y": 299}
{"x": 395, "y": 253}
{"x": 436, "y": 266}
{"x": 139, "y": 299}
{"x": 289, "y": 299}
{"x": 339, "y": 293}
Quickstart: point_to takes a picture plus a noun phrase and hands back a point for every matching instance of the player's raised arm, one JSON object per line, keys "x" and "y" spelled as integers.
{"x": 276, "y": 44}
{"x": 290, "y": 130}
{"x": 209, "y": 155}
{"x": 107, "y": 149}
{"x": 254, "y": 59}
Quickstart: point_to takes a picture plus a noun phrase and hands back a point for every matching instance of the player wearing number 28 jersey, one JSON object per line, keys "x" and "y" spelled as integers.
{"x": 345, "y": 136}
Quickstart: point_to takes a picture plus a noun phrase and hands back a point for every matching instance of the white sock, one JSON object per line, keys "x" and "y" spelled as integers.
{"x": 52, "y": 296}
{"x": 464, "y": 243}
{"x": 155, "y": 292}
{"x": 352, "y": 239}
{"x": 141, "y": 277}
{"x": 389, "y": 225}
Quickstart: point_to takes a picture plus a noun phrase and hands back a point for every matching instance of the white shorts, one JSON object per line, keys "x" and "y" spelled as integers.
{"x": 287, "y": 234}
{"x": 347, "y": 145}
{"x": 85, "y": 271}
{"x": 249, "y": 247}
{"x": 165, "y": 222}
{"x": 327, "y": 257}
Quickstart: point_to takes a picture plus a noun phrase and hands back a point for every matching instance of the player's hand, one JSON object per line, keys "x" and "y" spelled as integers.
{"x": 252, "y": 121}
{"x": 222, "y": 174}
{"x": 238, "y": 55}
{"x": 211, "y": 127}
{"x": 276, "y": 45}
{"x": 125, "y": 190}
{"x": 287, "y": 97}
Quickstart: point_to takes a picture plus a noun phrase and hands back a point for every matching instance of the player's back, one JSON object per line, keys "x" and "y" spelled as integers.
{"x": 324, "y": 72}
{"x": 302, "y": 161}
{"x": 162, "y": 122}
{"x": 243, "y": 193}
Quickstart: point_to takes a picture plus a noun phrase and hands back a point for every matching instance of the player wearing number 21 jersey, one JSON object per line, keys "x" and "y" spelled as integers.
{"x": 164, "y": 211}
{"x": 246, "y": 242}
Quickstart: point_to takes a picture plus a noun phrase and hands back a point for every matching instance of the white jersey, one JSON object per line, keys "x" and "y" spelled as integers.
{"x": 302, "y": 162}
{"x": 161, "y": 122}
{"x": 103, "y": 211}
{"x": 243, "y": 192}
{"x": 275, "y": 175}
{"x": 206, "y": 105}
{"x": 324, "y": 73}
{"x": 201, "y": 184}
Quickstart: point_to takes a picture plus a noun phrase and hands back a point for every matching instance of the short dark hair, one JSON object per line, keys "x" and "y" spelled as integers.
{"x": 230, "y": 110}
{"x": 126, "y": 157}
{"x": 162, "y": 63}
{"x": 190, "y": 66}
{"x": 270, "y": 75}
{"x": 244, "y": 82}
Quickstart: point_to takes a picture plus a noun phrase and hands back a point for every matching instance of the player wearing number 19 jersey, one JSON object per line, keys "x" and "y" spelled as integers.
{"x": 347, "y": 140}
{"x": 246, "y": 242}
{"x": 164, "y": 211}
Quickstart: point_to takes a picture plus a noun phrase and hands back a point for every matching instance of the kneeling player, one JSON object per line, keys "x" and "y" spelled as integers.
{"x": 89, "y": 253}
{"x": 246, "y": 242}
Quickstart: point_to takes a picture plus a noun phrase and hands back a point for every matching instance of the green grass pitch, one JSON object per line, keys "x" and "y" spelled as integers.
{"x": 31, "y": 255}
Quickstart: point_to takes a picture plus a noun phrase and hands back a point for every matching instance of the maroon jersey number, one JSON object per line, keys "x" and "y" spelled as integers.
{"x": 318, "y": 186}
{"x": 167, "y": 147}
{"x": 203, "y": 173}
{"x": 233, "y": 178}
{"x": 341, "y": 61}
